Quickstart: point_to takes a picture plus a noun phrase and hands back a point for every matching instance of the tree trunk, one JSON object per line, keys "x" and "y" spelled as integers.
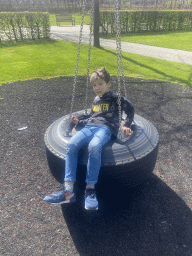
{"x": 96, "y": 23}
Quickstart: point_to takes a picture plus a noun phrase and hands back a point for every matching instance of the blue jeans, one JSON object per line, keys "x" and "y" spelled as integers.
{"x": 95, "y": 137}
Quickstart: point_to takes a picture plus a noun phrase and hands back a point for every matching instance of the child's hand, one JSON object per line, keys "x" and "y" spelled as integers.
{"x": 126, "y": 130}
{"x": 74, "y": 119}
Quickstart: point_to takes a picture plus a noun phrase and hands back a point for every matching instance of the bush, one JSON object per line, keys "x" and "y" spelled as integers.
{"x": 145, "y": 21}
{"x": 20, "y": 26}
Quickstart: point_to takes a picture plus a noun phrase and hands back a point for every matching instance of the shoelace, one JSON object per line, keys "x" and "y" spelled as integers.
{"x": 62, "y": 187}
{"x": 91, "y": 193}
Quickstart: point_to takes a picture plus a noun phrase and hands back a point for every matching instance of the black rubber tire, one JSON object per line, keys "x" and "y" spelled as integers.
{"x": 128, "y": 163}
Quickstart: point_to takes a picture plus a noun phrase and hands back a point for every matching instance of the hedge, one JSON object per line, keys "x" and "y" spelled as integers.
{"x": 20, "y": 26}
{"x": 145, "y": 21}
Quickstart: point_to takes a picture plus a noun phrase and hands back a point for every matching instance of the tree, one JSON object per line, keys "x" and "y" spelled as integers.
{"x": 96, "y": 23}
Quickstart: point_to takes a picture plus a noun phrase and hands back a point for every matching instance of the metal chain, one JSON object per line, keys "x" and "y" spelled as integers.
{"x": 118, "y": 39}
{"x": 120, "y": 136}
{"x": 122, "y": 71}
{"x": 89, "y": 55}
{"x": 118, "y": 43}
{"x": 78, "y": 55}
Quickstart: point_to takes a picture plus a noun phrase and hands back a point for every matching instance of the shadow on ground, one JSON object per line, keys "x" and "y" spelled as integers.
{"x": 148, "y": 220}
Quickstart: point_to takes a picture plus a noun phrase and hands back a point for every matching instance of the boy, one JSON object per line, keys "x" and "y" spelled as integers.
{"x": 102, "y": 122}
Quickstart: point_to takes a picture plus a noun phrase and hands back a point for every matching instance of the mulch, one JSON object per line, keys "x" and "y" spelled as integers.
{"x": 154, "y": 218}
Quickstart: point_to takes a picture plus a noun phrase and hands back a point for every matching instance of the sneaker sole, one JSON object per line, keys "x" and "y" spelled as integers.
{"x": 91, "y": 209}
{"x": 63, "y": 202}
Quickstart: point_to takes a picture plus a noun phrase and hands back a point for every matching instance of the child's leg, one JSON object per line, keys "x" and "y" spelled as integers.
{"x": 100, "y": 138}
{"x": 75, "y": 143}
{"x": 66, "y": 194}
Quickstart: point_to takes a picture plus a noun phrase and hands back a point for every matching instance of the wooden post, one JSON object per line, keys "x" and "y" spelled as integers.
{"x": 96, "y": 23}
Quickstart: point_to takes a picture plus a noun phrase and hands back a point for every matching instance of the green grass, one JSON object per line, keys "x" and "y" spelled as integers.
{"x": 174, "y": 40}
{"x": 77, "y": 20}
{"x": 53, "y": 58}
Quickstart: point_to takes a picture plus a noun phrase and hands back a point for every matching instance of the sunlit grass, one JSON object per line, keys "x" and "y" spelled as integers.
{"x": 53, "y": 58}
{"x": 175, "y": 40}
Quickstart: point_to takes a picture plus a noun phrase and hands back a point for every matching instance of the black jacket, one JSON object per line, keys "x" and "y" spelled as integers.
{"x": 105, "y": 112}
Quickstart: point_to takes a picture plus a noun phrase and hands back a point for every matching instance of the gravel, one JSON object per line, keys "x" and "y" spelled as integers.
{"x": 152, "y": 219}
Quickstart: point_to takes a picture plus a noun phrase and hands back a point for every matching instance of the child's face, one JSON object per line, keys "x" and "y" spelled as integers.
{"x": 100, "y": 87}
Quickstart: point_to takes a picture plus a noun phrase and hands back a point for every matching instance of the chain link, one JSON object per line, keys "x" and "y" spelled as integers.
{"x": 77, "y": 60}
{"x": 122, "y": 71}
{"x": 89, "y": 55}
{"x": 118, "y": 47}
{"x": 120, "y": 135}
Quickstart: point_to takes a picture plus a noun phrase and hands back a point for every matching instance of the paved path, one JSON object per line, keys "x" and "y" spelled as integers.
{"x": 70, "y": 33}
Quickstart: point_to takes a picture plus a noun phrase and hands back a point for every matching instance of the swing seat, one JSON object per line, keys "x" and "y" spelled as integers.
{"x": 129, "y": 162}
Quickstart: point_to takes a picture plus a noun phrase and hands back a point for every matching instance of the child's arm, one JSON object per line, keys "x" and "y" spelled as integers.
{"x": 82, "y": 121}
{"x": 126, "y": 130}
{"x": 74, "y": 120}
{"x": 129, "y": 110}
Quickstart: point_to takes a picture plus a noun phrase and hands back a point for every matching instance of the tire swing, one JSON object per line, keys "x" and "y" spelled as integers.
{"x": 126, "y": 161}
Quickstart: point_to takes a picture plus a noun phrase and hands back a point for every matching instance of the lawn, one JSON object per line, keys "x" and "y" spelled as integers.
{"x": 175, "y": 40}
{"x": 53, "y": 58}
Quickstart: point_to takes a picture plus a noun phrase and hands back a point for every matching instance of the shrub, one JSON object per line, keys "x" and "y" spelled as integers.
{"x": 145, "y": 21}
{"x": 20, "y": 26}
